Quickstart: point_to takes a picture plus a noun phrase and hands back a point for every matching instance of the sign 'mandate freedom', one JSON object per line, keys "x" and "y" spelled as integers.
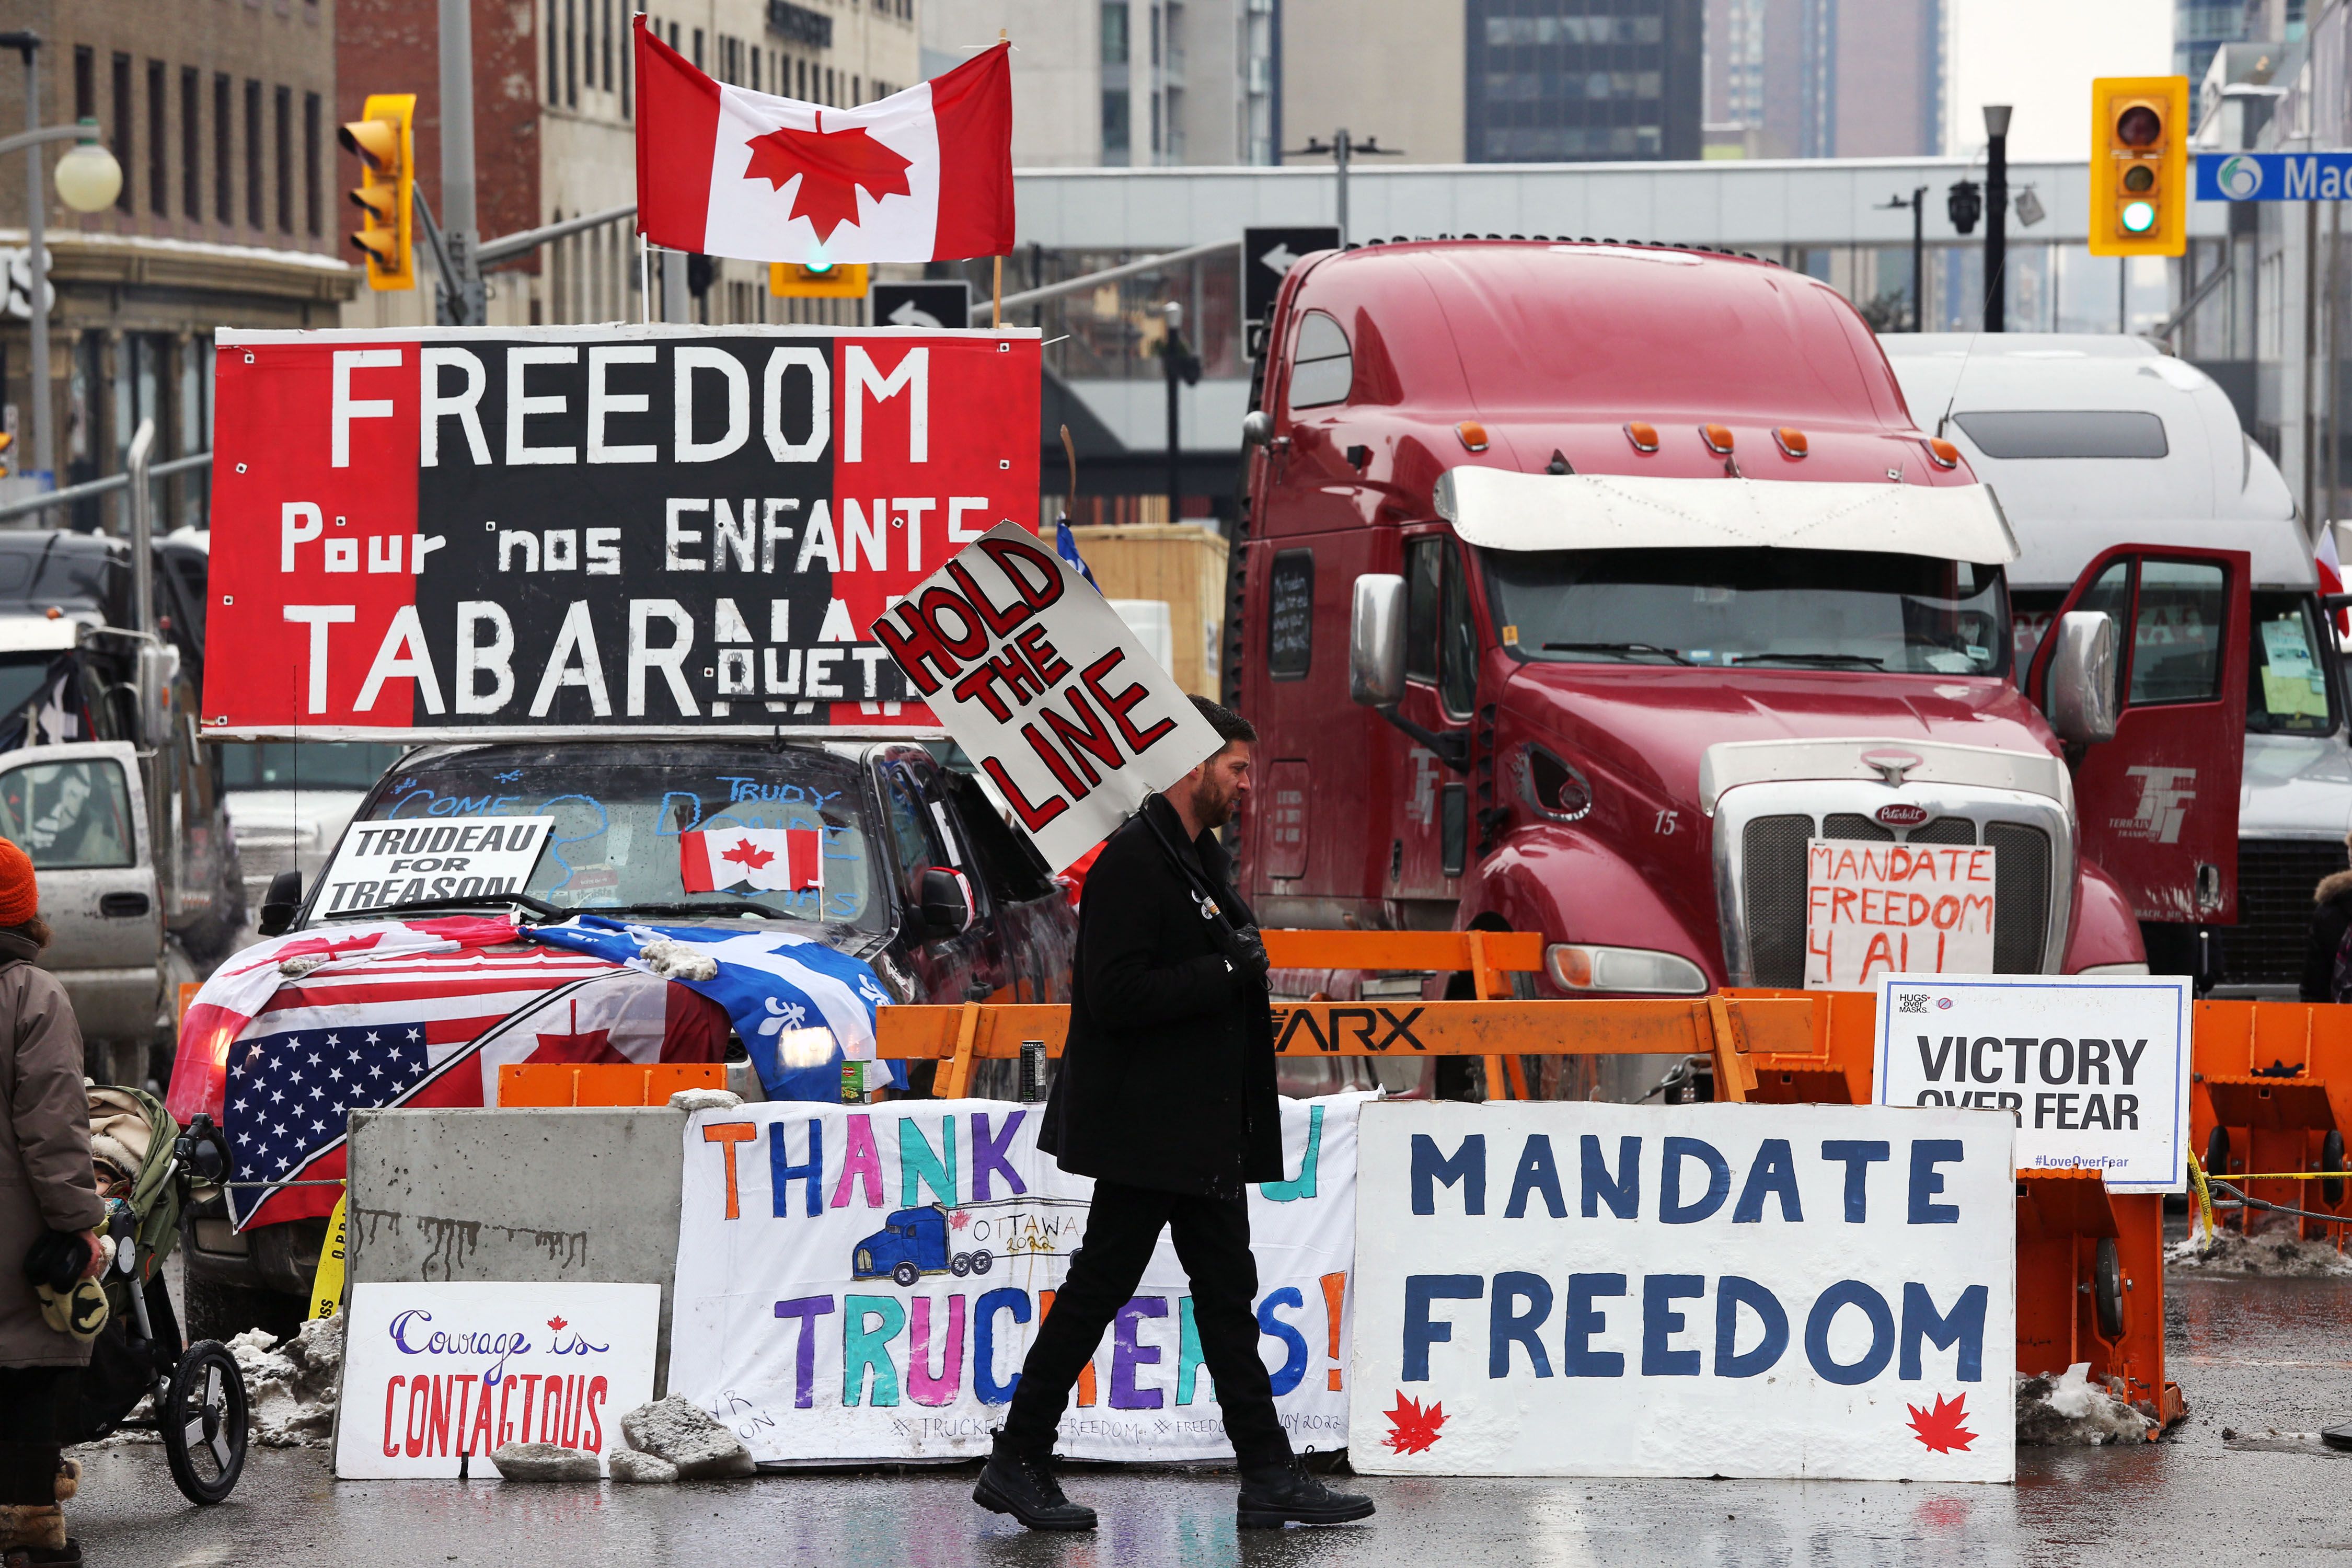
{"x": 529, "y": 532}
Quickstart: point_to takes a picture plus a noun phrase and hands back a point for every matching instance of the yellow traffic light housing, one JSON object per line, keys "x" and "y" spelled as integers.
{"x": 2140, "y": 165}
{"x": 817, "y": 279}
{"x": 387, "y": 193}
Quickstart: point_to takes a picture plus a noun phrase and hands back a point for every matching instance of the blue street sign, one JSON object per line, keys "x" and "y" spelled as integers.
{"x": 2273, "y": 176}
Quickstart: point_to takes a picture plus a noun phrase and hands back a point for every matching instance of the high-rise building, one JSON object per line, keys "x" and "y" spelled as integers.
{"x": 1557, "y": 81}
{"x": 1124, "y": 83}
{"x": 2202, "y": 27}
{"x": 1825, "y": 78}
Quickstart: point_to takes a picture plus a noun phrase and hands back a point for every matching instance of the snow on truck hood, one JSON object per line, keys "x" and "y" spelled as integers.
{"x": 1501, "y": 510}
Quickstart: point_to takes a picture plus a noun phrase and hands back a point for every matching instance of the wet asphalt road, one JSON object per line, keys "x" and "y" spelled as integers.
{"x": 2250, "y": 1354}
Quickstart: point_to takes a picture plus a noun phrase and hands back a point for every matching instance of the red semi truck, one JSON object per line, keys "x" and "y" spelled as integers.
{"x": 1612, "y": 592}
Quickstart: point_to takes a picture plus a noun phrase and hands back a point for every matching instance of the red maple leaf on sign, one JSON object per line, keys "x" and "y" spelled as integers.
{"x": 555, "y": 1323}
{"x": 1411, "y": 1429}
{"x": 744, "y": 855}
{"x": 1940, "y": 1429}
{"x": 832, "y": 166}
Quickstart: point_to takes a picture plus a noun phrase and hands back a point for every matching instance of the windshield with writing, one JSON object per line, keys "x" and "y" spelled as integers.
{"x": 621, "y": 812}
{"x": 1761, "y": 608}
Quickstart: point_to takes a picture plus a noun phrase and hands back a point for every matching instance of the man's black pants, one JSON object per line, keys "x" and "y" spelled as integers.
{"x": 1213, "y": 1242}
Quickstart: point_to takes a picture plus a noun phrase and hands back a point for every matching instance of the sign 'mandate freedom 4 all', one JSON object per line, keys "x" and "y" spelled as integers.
{"x": 637, "y": 528}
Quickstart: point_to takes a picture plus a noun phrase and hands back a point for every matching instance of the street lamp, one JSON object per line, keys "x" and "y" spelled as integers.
{"x": 89, "y": 178}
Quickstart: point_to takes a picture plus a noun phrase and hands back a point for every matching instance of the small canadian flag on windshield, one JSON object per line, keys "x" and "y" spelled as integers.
{"x": 770, "y": 859}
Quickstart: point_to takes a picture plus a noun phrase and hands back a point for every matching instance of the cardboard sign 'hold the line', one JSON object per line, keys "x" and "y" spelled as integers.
{"x": 1056, "y": 699}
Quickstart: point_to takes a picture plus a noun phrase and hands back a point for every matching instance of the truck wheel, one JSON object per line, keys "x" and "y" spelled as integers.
{"x": 903, "y": 1275}
{"x": 2107, "y": 1288}
{"x": 2217, "y": 1151}
{"x": 983, "y": 1260}
{"x": 2331, "y": 1158}
{"x": 960, "y": 1265}
{"x": 217, "y": 1311}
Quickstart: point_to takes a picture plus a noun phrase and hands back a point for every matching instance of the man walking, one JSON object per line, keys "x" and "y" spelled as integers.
{"x": 1166, "y": 1098}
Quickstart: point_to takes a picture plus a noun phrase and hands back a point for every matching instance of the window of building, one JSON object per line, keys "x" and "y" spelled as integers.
{"x": 605, "y": 57}
{"x": 800, "y": 76}
{"x": 832, "y": 88}
{"x": 254, "y": 210}
{"x": 158, "y": 182}
{"x": 571, "y": 54}
{"x": 1155, "y": 124}
{"x": 756, "y": 53}
{"x": 312, "y": 113}
{"x": 1155, "y": 35}
{"x": 85, "y": 84}
{"x": 192, "y": 145}
{"x": 123, "y": 121}
{"x": 1114, "y": 122}
{"x": 554, "y": 52}
{"x": 284, "y": 159}
{"x": 1114, "y": 32}
{"x": 698, "y": 49}
{"x": 627, "y": 109}
{"x": 223, "y": 152}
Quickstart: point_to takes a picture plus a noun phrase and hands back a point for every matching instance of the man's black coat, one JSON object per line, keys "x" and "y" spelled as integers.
{"x": 1167, "y": 1077}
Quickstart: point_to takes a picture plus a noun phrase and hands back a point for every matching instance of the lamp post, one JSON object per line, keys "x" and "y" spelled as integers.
{"x": 92, "y": 182}
{"x": 1995, "y": 251}
{"x": 1180, "y": 364}
{"x": 1340, "y": 149}
{"x": 1917, "y": 202}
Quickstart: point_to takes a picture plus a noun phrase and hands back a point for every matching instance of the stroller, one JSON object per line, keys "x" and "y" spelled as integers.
{"x": 146, "y": 1169}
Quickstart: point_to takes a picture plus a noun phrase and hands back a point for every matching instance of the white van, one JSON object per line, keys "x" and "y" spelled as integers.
{"x": 2091, "y": 440}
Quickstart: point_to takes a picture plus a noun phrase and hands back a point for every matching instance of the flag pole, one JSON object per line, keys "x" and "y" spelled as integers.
{"x": 996, "y": 291}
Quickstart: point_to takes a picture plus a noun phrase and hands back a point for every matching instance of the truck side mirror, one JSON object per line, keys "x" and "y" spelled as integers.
{"x": 1376, "y": 640}
{"x": 2082, "y": 689}
{"x": 159, "y": 666}
{"x": 281, "y": 903}
{"x": 1257, "y": 427}
{"x": 945, "y": 909}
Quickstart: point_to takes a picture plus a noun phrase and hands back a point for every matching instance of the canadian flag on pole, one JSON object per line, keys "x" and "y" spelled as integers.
{"x": 921, "y": 175}
{"x": 775, "y": 859}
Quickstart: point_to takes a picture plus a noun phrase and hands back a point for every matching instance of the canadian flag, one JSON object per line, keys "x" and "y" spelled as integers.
{"x": 775, "y": 859}
{"x": 921, "y": 175}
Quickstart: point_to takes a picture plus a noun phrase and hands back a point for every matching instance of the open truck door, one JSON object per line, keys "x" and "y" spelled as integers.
{"x": 2143, "y": 676}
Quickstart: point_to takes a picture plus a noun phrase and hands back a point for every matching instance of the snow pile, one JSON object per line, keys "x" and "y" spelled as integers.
{"x": 290, "y": 1389}
{"x": 693, "y": 1100}
{"x": 2276, "y": 1251}
{"x": 2070, "y": 1410}
{"x": 677, "y": 961}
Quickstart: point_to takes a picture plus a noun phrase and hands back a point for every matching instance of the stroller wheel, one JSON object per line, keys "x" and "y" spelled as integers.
{"x": 204, "y": 1422}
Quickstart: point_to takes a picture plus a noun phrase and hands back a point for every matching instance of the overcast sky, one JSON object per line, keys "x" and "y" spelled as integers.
{"x": 2039, "y": 56}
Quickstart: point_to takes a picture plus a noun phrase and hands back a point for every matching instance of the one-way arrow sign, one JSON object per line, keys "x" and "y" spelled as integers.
{"x": 1267, "y": 256}
{"x": 930, "y": 306}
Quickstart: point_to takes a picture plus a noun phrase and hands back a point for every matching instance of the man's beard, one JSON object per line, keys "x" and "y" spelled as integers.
{"x": 1212, "y": 809}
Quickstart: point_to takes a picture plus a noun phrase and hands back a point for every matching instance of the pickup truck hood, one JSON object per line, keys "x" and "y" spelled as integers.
{"x": 1648, "y": 726}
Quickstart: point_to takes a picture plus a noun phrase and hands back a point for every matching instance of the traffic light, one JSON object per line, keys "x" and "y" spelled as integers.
{"x": 2140, "y": 165}
{"x": 386, "y": 195}
{"x": 817, "y": 279}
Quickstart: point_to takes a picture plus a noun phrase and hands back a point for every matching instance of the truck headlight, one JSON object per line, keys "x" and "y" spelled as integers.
{"x": 1581, "y": 966}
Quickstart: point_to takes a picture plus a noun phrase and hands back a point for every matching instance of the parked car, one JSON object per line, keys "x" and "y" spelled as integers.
{"x": 2092, "y": 439}
{"x": 905, "y": 838}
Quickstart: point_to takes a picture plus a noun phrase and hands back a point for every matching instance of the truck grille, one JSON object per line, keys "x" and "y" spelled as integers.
{"x": 1772, "y": 885}
{"x": 2275, "y": 880}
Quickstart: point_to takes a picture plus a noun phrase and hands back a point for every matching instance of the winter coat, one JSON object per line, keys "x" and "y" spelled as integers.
{"x": 45, "y": 1182}
{"x": 2330, "y": 920}
{"x": 1167, "y": 1076}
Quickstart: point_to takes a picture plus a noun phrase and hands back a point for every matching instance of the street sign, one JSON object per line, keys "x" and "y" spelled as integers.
{"x": 1267, "y": 256}
{"x": 2273, "y": 176}
{"x": 934, "y": 306}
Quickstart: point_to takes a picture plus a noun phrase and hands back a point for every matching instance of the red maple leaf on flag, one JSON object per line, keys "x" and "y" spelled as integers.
{"x": 1940, "y": 1429}
{"x": 1411, "y": 1429}
{"x": 832, "y": 166}
{"x": 749, "y": 858}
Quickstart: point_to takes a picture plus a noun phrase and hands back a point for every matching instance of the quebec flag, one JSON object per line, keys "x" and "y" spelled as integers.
{"x": 800, "y": 1007}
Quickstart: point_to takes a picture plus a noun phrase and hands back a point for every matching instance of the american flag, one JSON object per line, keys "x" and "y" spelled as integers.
{"x": 425, "y": 1029}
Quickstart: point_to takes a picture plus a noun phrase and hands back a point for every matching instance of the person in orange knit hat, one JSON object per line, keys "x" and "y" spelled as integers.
{"x": 48, "y": 1200}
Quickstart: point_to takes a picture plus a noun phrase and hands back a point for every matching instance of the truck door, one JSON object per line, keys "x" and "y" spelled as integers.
{"x": 80, "y": 813}
{"x": 2159, "y": 803}
{"x": 1431, "y": 813}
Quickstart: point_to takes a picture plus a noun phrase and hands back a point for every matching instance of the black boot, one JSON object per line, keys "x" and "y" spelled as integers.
{"x": 1273, "y": 1495}
{"x": 1024, "y": 1486}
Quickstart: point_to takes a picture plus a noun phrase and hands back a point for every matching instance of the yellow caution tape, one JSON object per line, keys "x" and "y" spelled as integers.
{"x": 2204, "y": 1199}
{"x": 327, "y": 1287}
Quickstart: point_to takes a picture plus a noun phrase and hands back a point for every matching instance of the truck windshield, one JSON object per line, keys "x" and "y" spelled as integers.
{"x": 1753, "y": 607}
{"x": 307, "y": 764}
{"x": 2288, "y": 692}
{"x": 619, "y": 813}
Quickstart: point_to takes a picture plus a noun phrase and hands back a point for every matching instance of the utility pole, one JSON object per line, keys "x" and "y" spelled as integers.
{"x": 464, "y": 301}
{"x": 37, "y": 258}
{"x": 1918, "y": 203}
{"x": 1340, "y": 149}
{"x": 1996, "y": 250}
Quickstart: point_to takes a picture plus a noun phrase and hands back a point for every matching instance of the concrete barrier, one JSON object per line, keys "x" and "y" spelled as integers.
{"x": 588, "y": 1194}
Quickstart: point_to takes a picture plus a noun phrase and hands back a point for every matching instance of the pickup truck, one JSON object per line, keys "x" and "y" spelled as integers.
{"x": 906, "y": 839}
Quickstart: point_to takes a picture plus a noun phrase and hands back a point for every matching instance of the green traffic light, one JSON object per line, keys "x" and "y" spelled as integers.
{"x": 2138, "y": 217}
{"x": 818, "y": 268}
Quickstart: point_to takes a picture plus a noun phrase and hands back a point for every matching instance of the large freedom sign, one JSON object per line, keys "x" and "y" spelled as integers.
{"x": 1578, "y": 1288}
{"x": 2093, "y": 1068}
{"x": 645, "y": 528}
{"x": 863, "y": 1283}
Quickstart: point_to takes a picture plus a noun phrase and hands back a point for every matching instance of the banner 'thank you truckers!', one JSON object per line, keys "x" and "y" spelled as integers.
{"x": 443, "y": 532}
